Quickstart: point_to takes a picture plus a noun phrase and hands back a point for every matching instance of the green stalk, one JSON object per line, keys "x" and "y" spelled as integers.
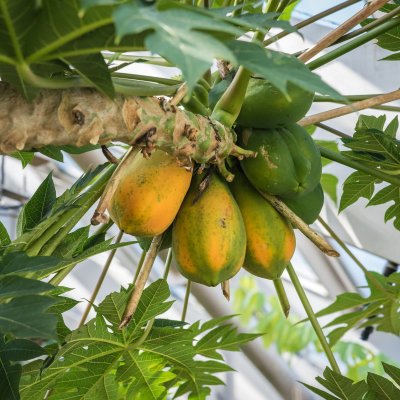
{"x": 168, "y": 263}
{"x": 61, "y": 275}
{"x": 129, "y": 87}
{"x": 186, "y": 301}
{"x": 353, "y": 98}
{"x": 139, "y": 59}
{"x": 352, "y": 256}
{"x": 282, "y": 296}
{"x": 82, "y": 206}
{"x": 139, "y": 266}
{"x": 341, "y": 159}
{"x": 353, "y": 44}
{"x": 332, "y": 130}
{"x": 311, "y": 20}
{"x": 369, "y": 26}
{"x": 312, "y": 317}
{"x": 100, "y": 280}
{"x": 146, "y": 78}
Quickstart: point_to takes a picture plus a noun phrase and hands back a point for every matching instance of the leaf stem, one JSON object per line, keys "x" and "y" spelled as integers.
{"x": 341, "y": 159}
{"x": 186, "y": 300}
{"x": 100, "y": 280}
{"x": 153, "y": 60}
{"x": 334, "y": 35}
{"x": 147, "y": 78}
{"x": 311, "y": 20}
{"x": 352, "y": 256}
{"x": 282, "y": 296}
{"x": 168, "y": 263}
{"x": 357, "y": 106}
{"x": 332, "y": 130}
{"x": 141, "y": 281}
{"x": 99, "y": 215}
{"x": 139, "y": 265}
{"x": 353, "y": 44}
{"x": 283, "y": 209}
{"x": 312, "y": 317}
{"x": 369, "y": 26}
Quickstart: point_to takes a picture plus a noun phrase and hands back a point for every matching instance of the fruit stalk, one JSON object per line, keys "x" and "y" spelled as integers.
{"x": 226, "y": 289}
{"x": 141, "y": 281}
{"x": 319, "y": 241}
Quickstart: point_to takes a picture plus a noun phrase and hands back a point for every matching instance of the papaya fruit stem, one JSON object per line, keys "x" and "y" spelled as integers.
{"x": 100, "y": 281}
{"x": 224, "y": 171}
{"x": 282, "y": 296}
{"x": 312, "y": 317}
{"x": 240, "y": 153}
{"x": 186, "y": 300}
{"x": 318, "y": 240}
{"x": 99, "y": 215}
{"x": 141, "y": 281}
{"x": 342, "y": 29}
{"x": 226, "y": 289}
{"x": 357, "y": 106}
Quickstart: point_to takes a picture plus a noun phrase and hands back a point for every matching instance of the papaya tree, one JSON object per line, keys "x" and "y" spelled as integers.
{"x": 219, "y": 167}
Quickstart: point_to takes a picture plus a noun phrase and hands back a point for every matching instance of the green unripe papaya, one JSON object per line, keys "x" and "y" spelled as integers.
{"x": 288, "y": 162}
{"x": 208, "y": 234}
{"x": 270, "y": 237}
{"x": 307, "y": 206}
{"x": 265, "y": 106}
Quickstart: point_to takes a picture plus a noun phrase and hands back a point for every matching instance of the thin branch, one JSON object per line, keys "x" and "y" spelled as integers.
{"x": 311, "y": 20}
{"x": 349, "y": 162}
{"x": 340, "y": 242}
{"x": 168, "y": 263}
{"x": 319, "y": 241}
{"x": 108, "y": 155}
{"x": 357, "y": 106}
{"x": 139, "y": 265}
{"x": 141, "y": 281}
{"x": 179, "y": 95}
{"x": 312, "y": 317}
{"x": 369, "y": 26}
{"x": 100, "y": 280}
{"x": 334, "y": 35}
{"x": 99, "y": 215}
{"x": 282, "y": 208}
{"x": 332, "y": 130}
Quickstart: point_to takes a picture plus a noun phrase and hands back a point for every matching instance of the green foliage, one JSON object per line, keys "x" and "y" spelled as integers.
{"x": 375, "y": 146}
{"x": 379, "y": 309}
{"x": 391, "y": 39}
{"x": 264, "y": 314}
{"x": 138, "y": 360}
{"x": 67, "y": 50}
{"x": 375, "y": 387}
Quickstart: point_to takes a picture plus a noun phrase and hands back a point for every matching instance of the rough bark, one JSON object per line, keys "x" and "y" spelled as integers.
{"x": 82, "y": 116}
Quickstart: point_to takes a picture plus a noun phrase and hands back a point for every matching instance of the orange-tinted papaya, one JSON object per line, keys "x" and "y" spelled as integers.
{"x": 270, "y": 237}
{"x": 149, "y": 194}
{"x": 208, "y": 234}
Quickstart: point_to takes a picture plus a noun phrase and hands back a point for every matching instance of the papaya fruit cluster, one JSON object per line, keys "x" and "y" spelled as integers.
{"x": 215, "y": 228}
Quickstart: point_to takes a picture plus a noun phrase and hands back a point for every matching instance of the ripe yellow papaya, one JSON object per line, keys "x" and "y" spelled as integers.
{"x": 208, "y": 234}
{"x": 149, "y": 194}
{"x": 270, "y": 238}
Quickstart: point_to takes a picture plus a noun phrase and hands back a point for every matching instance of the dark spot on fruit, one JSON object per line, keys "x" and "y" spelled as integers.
{"x": 222, "y": 222}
